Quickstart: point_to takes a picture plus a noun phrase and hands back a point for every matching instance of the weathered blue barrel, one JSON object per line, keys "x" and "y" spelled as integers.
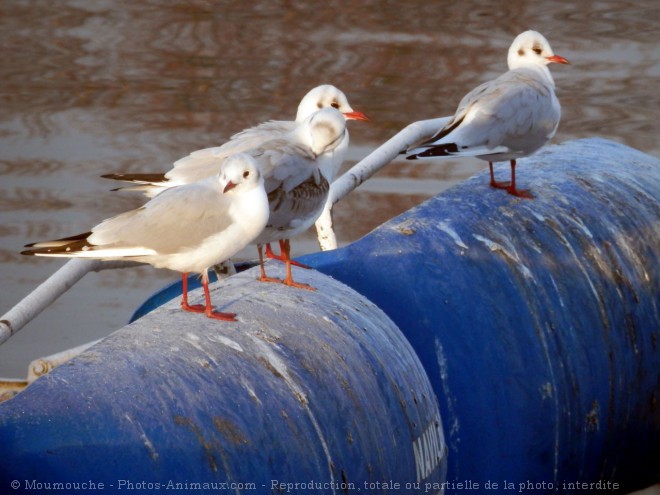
{"x": 536, "y": 320}
{"x": 309, "y": 392}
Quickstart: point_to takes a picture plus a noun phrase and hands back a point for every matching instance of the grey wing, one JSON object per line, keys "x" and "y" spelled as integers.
{"x": 284, "y": 164}
{"x": 477, "y": 94}
{"x": 255, "y": 136}
{"x": 177, "y": 218}
{"x": 304, "y": 200}
{"x": 198, "y": 165}
{"x": 454, "y": 122}
{"x": 206, "y": 162}
{"x": 505, "y": 109}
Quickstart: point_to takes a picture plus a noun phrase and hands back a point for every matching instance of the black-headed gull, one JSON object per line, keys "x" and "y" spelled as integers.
{"x": 324, "y": 96}
{"x": 507, "y": 118}
{"x": 203, "y": 163}
{"x": 296, "y": 186}
{"x": 186, "y": 229}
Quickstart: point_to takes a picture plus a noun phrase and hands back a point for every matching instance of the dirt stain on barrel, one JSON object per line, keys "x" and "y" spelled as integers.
{"x": 229, "y": 430}
{"x": 207, "y": 446}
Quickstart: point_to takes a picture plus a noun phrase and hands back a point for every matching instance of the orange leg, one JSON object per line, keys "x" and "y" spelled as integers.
{"x": 271, "y": 255}
{"x": 521, "y": 193}
{"x": 493, "y": 182}
{"x": 509, "y": 186}
{"x": 198, "y": 308}
{"x": 286, "y": 257}
{"x": 289, "y": 278}
{"x": 264, "y": 277}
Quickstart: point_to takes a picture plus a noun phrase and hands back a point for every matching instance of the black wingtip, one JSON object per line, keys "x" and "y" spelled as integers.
{"x": 37, "y": 251}
{"x": 66, "y": 244}
{"x": 411, "y": 157}
{"x": 139, "y": 178}
{"x": 448, "y": 149}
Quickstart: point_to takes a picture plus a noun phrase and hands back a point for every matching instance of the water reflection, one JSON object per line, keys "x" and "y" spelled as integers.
{"x": 89, "y": 87}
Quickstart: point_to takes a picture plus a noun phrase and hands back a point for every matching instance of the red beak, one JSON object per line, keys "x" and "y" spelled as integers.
{"x": 557, "y": 59}
{"x": 230, "y": 185}
{"x": 355, "y": 116}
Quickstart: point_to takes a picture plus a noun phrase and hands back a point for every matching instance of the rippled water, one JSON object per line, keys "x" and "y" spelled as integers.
{"x": 90, "y": 87}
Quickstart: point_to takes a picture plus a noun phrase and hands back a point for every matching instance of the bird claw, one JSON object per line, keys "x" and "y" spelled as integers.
{"x": 217, "y": 315}
{"x": 193, "y": 308}
{"x": 500, "y": 184}
{"x": 520, "y": 193}
{"x": 290, "y": 283}
{"x": 298, "y": 285}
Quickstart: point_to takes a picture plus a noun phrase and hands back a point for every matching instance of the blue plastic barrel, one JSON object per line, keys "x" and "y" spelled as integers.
{"x": 309, "y": 392}
{"x": 536, "y": 320}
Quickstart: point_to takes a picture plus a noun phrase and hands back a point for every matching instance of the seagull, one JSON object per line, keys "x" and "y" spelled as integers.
{"x": 296, "y": 186}
{"x": 203, "y": 163}
{"x": 323, "y": 96}
{"x": 507, "y": 118}
{"x": 187, "y": 229}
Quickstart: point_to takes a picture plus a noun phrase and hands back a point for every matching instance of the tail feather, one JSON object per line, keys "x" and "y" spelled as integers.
{"x": 447, "y": 149}
{"x": 452, "y": 149}
{"x": 444, "y": 149}
{"x": 148, "y": 189}
{"x": 59, "y": 246}
{"x": 78, "y": 246}
{"x": 144, "y": 179}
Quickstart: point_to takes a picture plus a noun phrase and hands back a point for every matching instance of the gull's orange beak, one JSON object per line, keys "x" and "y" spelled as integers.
{"x": 557, "y": 59}
{"x": 355, "y": 116}
{"x": 230, "y": 185}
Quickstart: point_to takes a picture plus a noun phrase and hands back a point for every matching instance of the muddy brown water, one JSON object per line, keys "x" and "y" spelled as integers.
{"x": 90, "y": 87}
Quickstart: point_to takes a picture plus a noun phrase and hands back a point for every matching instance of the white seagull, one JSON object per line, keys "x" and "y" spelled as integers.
{"x": 203, "y": 163}
{"x": 186, "y": 229}
{"x": 324, "y": 96}
{"x": 507, "y": 118}
{"x": 296, "y": 186}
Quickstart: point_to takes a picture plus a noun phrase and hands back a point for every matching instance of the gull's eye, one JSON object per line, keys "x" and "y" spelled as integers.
{"x": 537, "y": 50}
{"x": 334, "y": 104}
{"x": 246, "y": 174}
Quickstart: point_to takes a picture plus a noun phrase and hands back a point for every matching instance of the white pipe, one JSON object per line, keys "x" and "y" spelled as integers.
{"x": 367, "y": 167}
{"x": 56, "y": 285}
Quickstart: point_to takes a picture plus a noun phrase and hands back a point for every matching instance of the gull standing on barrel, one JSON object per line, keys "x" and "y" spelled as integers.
{"x": 204, "y": 163}
{"x": 324, "y": 96}
{"x": 296, "y": 186}
{"x": 187, "y": 229}
{"x": 507, "y": 118}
